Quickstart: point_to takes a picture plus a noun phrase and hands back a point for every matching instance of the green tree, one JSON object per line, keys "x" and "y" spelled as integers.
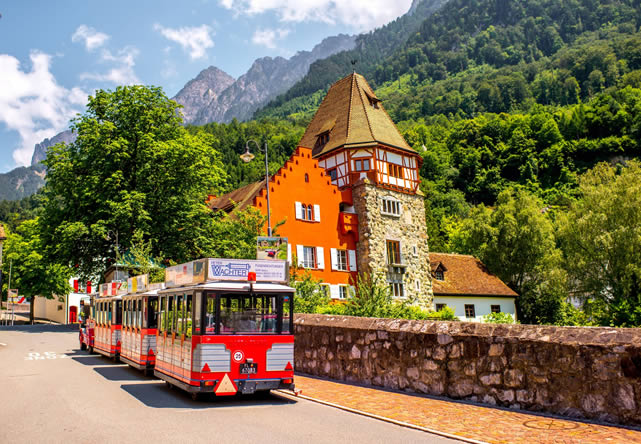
{"x": 31, "y": 273}
{"x": 601, "y": 240}
{"x": 132, "y": 168}
{"x": 516, "y": 241}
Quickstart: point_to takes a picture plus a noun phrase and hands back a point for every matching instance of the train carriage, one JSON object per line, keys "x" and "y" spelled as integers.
{"x": 140, "y": 311}
{"x": 107, "y": 330}
{"x": 87, "y": 324}
{"x": 226, "y": 327}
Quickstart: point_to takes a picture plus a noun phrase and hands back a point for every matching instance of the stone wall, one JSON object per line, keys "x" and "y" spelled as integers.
{"x": 374, "y": 229}
{"x": 573, "y": 371}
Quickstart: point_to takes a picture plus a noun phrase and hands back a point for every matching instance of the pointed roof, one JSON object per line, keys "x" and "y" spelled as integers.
{"x": 354, "y": 117}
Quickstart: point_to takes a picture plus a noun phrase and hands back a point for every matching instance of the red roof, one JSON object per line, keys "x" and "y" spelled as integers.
{"x": 239, "y": 199}
{"x": 465, "y": 275}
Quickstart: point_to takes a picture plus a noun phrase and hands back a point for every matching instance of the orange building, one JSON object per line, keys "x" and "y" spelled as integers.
{"x": 320, "y": 237}
{"x": 349, "y": 197}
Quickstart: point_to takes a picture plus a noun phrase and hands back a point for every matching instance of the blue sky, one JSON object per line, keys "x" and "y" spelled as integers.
{"x": 54, "y": 53}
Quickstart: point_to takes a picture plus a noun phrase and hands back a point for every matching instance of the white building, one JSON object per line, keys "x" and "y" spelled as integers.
{"x": 61, "y": 309}
{"x": 464, "y": 284}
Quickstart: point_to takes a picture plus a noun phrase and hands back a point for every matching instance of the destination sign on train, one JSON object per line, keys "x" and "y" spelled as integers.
{"x": 208, "y": 270}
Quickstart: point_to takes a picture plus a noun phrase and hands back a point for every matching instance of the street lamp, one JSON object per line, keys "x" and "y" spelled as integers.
{"x": 3, "y": 237}
{"x": 247, "y": 157}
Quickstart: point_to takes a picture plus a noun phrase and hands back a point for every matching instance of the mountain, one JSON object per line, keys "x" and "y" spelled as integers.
{"x": 200, "y": 92}
{"x": 369, "y": 51}
{"x": 22, "y": 182}
{"x": 40, "y": 151}
{"x": 214, "y": 96}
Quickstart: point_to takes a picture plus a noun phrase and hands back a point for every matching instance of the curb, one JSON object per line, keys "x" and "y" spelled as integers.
{"x": 381, "y": 418}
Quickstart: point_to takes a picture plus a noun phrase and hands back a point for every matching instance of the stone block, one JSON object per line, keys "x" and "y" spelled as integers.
{"x": 355, "y": 353}
{"x": 496, "y": 350}
{"x": 513, "y": 378}
{"x": 490, "y": 379}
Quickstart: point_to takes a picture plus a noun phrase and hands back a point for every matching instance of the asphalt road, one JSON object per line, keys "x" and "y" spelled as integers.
{"x": 50, "y": 391}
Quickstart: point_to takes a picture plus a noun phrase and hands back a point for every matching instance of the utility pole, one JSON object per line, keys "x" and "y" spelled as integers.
{"x": 9, "y": 289}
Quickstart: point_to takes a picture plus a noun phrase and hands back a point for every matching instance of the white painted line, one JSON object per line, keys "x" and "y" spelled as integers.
{"x": 3, "y": 344}
{"x": 382, "y": 418}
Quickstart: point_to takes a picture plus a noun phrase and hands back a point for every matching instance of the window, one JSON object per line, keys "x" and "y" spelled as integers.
{"x": 333, "y": 175}
{"x": 469, "y": 311}
{"x": 393, "y": 252}
{"x": 341, "y": 260}
{"x": 326, "y": 290}
{"x": 152, "y": 316}
{"x": 397, "y": 289}
{"x": 391, "y": 206}
{"x": 247, "y": 313}
{"x": 439, "y": 276}
{"x": 440, "y": 307}
{"x": 310, "y": 212}
{"x": 417, "y": 285}
{"x": 306, "y": 177}
{"x": 343, "y": 291}
{"x": 495, "y": 308}
{"x": 323, "y": 138}
{"x": 361, "y": 165}
{"x": 309, "y": 257}
{"x": 395, "y": 170}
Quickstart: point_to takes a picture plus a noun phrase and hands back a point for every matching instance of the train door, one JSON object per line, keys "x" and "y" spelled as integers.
{"x": 177, "y": 334}
{"x": 186, "y": 331}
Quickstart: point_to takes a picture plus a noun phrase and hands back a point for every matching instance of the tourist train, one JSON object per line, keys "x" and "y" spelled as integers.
{"x": 220, "y": 326}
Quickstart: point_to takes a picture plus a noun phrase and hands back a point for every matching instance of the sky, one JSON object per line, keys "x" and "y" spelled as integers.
{"x": 53, "y": 54}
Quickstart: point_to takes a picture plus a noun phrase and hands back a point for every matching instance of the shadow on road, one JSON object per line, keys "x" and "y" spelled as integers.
{"x": 92, "y": 360}
{"x": 41, "y": 328}
{"x": 157, "y": 395}
{"x": 120, "y": 373}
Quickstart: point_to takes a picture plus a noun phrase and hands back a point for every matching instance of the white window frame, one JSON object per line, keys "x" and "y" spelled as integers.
{"x": 397, "y": 289}
{"x": 307, "y": 261}
{"x": 343, "y": 292}
{"x": 391, "y": 206}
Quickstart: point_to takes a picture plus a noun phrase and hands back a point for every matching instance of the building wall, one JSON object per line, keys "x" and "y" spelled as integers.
{"x": 482, "y": 305}
{"x": 588, "y": 372}
{"x": 409, "y": 229}
{"x": 289, "y": 186}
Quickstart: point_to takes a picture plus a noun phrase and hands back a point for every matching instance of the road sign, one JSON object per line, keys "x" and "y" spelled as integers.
{"x": 12, "y": 295}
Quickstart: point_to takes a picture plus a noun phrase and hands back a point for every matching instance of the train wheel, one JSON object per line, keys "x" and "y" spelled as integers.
{"x": 91, "y": 349}
{"x": 83, "y": 346}
{"x": 169, "y": 386}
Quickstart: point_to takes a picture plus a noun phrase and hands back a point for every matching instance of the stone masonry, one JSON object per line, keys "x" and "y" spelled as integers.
{"x": 582, "y": 372}
{"x": 374, "y": 229}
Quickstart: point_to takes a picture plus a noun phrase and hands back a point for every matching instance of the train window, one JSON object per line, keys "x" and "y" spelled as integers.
{"x": 109, "y": 305}
{"x": 126, "y": 313}
{"x": 198, "y": 309}
{"x": 152, "y": 310}
{"x": 118, "y": 313}
{"x": 210, "y": 315}
{"x": 162, "y": 317}
{"x": 170, "y": 315}
{"x": 187, "y": 323}
{"x": 180, "y": 308}
{"x": 138, "y": 313}
{"x": 245, "y": 313}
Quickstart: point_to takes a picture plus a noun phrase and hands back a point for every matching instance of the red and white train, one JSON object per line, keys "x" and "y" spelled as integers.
{"x": 221, "y": 326}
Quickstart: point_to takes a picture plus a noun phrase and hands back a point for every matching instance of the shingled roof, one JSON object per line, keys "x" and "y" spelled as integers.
{"x": 239, "y": 199}
{"x": 354, "y": 117}
{"x": 466, "y": 276}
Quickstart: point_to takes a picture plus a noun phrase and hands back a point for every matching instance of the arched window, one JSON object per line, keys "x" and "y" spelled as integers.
{"x": 310, "y": 214}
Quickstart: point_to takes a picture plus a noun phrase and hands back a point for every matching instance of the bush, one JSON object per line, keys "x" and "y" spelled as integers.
{"x": 309, "y": 297}
{"x": 499, "y": 318}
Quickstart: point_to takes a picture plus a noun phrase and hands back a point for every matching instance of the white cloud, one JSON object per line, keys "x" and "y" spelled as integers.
{"x": 268, "y": 37}
{"x": 91, "y": 38}
{"x": 33, "y": 103}
{"x": 123, "y": 73}
{"x": 363, "y": 15}
{"x": 195, "y": 40}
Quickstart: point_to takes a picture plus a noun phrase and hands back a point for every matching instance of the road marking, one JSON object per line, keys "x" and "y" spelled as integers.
{"x": 3, "y": 344}
{"x": 35, "y": 356}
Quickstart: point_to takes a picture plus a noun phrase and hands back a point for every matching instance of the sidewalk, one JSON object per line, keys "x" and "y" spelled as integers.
{"x": 492, "y": 425}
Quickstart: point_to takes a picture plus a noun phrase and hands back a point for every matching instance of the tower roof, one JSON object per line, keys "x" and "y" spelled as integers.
{"x": 352, "y": 116}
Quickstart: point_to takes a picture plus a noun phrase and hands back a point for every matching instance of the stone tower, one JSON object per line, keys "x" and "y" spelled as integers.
{"x": 360, "y": 148}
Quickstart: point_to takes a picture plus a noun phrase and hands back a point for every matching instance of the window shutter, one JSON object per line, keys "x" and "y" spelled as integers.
{"x": 334, "y": 292}
{"x": 289, "y": 252}
{"x": 352, "y": 260}
{"x": 317, "y": 213}
{"x": 299, "y": 210}
{"x": 333, "y": 259}
{"x": 299, "y": 253}
{"x": 320, "y": 258}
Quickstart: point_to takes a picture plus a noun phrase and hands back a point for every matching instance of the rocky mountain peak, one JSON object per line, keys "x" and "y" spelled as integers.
{"x": 202, "y": 90}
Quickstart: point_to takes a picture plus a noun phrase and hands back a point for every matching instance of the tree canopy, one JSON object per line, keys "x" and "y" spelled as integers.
{"x": 133, "y": 167}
